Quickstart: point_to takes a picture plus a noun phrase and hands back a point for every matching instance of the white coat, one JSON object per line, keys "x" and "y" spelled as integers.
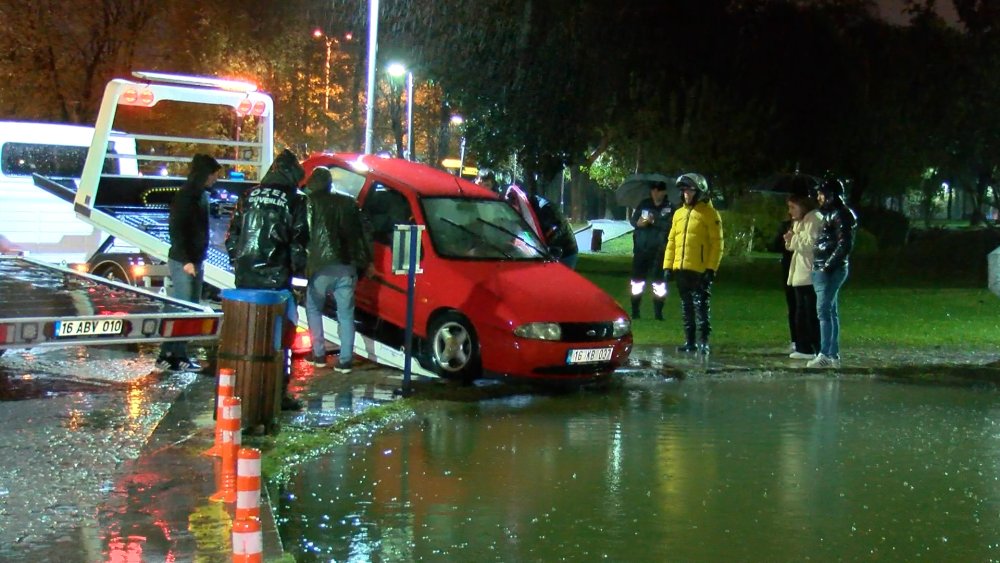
{"x": 802, "y": 243}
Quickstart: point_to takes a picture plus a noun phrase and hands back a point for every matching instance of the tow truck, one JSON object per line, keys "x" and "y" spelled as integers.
{"x": 229, "y": 119}
{"x": 49, "y": 305}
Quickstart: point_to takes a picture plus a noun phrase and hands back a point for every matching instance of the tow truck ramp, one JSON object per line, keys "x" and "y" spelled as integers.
{"x": 135, "y": 210}
{"x": 47, "y": 305}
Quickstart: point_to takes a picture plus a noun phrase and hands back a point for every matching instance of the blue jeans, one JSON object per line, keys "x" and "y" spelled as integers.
{"x": 322, "y": 284}
{"x": 827, "y": 287}
{"x": 186, "y": 288}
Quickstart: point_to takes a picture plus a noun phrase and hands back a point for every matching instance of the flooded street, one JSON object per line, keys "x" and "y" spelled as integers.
{"x": 774, "y": 467}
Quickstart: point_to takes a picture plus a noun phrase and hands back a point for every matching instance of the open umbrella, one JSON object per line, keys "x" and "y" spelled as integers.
{"x": 787, "y": 184}
{"x": 635, "y": 188}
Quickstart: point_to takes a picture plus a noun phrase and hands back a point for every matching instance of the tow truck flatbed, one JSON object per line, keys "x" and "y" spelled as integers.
{"x": 57, "y": 306}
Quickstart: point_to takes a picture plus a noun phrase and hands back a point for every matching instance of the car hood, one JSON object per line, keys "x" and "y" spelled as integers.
{"x": 519, "y": 292}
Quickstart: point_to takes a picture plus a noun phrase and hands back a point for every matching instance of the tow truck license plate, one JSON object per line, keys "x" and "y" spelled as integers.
{"x": 89, "y": 328}
{"x": 589, "y": 355}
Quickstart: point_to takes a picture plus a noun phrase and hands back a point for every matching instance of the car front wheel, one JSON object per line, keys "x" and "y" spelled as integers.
{"x": 453, "y": 348}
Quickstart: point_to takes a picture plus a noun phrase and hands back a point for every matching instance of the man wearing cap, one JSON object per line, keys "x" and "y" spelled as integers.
{"x": 694, "y": 250}
{"x": 833, "y": 246}
{"x": 651, "y": 219}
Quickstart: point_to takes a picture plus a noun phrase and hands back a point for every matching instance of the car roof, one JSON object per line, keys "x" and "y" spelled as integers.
{"x": 406, "y": 175}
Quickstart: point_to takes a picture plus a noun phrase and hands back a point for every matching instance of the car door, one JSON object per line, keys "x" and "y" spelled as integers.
{"x": 384, "y": 295}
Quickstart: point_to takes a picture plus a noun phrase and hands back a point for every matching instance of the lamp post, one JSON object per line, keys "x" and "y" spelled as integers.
{"x": 318, "y": 34}
{"x": 370, "y": 101}
{"x": 397, "y": 70}
{"x": 458, "y": 120}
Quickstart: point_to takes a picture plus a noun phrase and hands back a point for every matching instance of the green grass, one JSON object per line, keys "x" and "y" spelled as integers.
{"x": 748, "y": 308}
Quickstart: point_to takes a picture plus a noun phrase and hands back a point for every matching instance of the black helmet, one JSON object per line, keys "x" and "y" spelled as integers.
{"x": 694, "y": 181}
{"x": 831, "y": 188}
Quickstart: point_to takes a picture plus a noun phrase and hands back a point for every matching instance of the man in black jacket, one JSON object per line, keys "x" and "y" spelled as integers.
{"x": 188, "y": 226}
{"x": 267, "y": 238}
{"x": 339, "y": 249}
{"x": 833, "y": 247}
{"x": 651, "y": 219}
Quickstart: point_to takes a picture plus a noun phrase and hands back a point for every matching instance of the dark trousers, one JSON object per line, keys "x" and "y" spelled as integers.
{"x": 806, "y": 332}
{"x": 790, "y": 300}
{"x": 695, "y": 296}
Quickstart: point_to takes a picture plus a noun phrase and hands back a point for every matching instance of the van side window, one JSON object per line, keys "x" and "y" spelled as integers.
{"x": 56, "y": 161}
{"x": 386, "y": 208}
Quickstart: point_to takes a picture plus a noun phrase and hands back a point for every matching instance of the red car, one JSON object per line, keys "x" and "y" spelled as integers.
{"x": 490, "y": 301}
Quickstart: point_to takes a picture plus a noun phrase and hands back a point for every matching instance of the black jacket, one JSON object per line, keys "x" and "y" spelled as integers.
{"x": 189, "y": 225}
{"x": 836, "y": 238}
{"x": 556, "y": 230}
{"x": 654, "y": 236}
{"x": 268, "y": 236}
{"x": 337, "y": 233}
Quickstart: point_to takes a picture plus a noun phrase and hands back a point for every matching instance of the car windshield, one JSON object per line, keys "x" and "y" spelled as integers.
{"x": 480, "y": 228}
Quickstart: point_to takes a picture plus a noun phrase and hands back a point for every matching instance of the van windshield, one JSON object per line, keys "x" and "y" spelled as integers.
{"x": 480, "y": 228}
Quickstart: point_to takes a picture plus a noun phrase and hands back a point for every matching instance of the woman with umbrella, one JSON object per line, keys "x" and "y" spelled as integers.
{"x": 651, "y": 219}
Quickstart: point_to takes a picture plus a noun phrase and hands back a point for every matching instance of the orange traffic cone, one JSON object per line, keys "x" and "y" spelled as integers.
{"x": 248, "y": 484}
{"x": 248, "y": 542}
{"x": 226, "y": 388}
{"x": 231, "y": 438}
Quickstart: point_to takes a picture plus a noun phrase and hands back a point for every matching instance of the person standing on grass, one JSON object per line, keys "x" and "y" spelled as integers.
{"x": 778, "y": 245}
{"x": 651, "y": 219}
{"x": 188, "y": 224}
{"x": 800, "y": 240}
{"x": 830, "y": 265}
{"x": 339, "y": 250}
{"x": 693, "y": 254}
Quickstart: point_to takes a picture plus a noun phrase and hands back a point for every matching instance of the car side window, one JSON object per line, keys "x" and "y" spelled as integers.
{"x": 386, "y": 208}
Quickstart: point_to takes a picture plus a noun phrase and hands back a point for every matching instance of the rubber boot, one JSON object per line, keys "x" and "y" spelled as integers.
{"x": 702, "y": 312}
{"x": 658, "y": 309}
{"x": 636, "y": 299}
{"x": 687, "y": 314}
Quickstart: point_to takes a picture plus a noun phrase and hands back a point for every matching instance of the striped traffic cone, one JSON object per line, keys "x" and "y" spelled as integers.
{"x": 231, "y": 439}
{"x": 248, "y": 484}
{"x": 226, "y": 388}
{"x": 248, "y": 541}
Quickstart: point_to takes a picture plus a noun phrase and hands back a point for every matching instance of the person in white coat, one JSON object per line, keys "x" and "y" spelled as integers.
{"x": 800, "y": 240}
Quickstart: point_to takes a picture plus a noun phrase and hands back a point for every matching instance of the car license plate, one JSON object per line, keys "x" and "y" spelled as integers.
{"x": 589, "y": 355}
{"x": 89, "y": 328}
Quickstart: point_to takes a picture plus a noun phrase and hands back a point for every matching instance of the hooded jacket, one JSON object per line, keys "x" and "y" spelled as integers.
{"x": 188, "y": 221}
{"x": 269, "y": 232}
{"x": 337, "y": 231}
{"x": 695, "y": 240}
{"x": 836, "y": 236}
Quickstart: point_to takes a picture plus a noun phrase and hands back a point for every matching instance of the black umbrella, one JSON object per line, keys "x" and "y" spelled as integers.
{"x": 787, "y": 184}
{"x": 635, "y": 188}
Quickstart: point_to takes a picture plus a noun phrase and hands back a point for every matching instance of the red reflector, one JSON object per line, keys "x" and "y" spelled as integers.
{"x": 5, "y": 331}
{"x": 146, "y": 98}
{"x": 129, "y": 96}
{"x": 244, "y": 108}
{"x": 258, "y": 109}
{"x": 188, "y": 327}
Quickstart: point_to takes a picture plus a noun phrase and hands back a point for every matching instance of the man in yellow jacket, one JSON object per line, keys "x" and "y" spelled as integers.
{"x": 694, "y": 250}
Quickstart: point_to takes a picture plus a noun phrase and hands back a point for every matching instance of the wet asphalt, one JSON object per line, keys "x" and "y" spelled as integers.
{"x": 100, "y": 460}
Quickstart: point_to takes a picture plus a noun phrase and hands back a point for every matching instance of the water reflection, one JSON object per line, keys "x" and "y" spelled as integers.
{"x": 781, "y": 469}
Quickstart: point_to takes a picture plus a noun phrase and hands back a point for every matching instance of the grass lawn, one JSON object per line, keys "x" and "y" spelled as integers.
{"x": 748, "y": 309}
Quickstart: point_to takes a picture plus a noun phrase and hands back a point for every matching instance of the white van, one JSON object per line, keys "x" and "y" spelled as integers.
{"x": 32, "y": 220}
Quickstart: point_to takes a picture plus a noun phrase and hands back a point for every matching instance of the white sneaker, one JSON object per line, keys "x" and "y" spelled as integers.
{"x": 801, "y": 356}
{"x": 791, "y": 347}
{"x": 821, "y": 361}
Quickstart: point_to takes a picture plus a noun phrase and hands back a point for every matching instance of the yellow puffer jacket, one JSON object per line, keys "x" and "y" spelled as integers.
{"x": 695, "y": 240}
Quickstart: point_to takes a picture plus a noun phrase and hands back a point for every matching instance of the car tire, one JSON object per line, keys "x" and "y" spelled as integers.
{"x": 452, "y": 348}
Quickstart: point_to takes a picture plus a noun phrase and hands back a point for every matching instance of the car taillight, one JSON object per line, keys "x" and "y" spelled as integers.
{"x": 303, "y": 340}
{"x": 6, "y": 333}
{"x": 188, "y": 327}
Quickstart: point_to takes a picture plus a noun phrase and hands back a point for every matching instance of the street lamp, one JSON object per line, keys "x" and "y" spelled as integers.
{"x": 458, "y": 120}
{"x": 318, "y": 34}
{"x": 397, "y": 70}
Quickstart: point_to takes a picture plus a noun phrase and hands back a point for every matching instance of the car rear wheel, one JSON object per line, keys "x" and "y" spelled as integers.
{"x": 453, "y": 348}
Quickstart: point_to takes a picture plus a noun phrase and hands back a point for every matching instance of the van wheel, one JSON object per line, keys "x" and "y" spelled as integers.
{"x": 453, "y": 348}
